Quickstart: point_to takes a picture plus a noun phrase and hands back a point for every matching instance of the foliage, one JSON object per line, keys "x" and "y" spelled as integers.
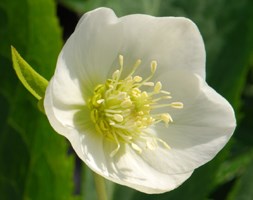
{"x": 34, "y": 163}
{"x": 33, "y": 159}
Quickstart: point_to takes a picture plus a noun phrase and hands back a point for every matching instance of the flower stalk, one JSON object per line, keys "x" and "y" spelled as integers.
{"x": 100, "y": 187}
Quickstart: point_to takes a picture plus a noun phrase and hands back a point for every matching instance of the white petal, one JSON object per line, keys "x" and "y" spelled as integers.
{"x": 126, "y": 167}
{"x": 48, "y": 105}
{"x": 85, "y": 141}
{"x": 90, "y": 55}
{"x": 203, "y": 106}
{"x": 64, "y": 117}
{"x": 83, "y": 62}
{"x": 175, "y": 42}
{"x": 93, "y": 48}
{"x": 60, "y": 111}
{"x": 199, "y": 130}
{"x": 87, "y": 56}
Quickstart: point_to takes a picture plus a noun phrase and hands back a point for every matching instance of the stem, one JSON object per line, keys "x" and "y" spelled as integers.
{"x": 100, "y": 187}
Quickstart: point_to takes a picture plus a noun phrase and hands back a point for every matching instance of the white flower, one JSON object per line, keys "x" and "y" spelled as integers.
{"x": 130, "y": 95}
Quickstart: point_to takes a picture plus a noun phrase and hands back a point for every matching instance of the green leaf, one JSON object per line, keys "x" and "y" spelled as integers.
{"x": 243, "y": 187}
{"x": 233, "y": 167}
{"x": 33, "y": 82}
{"x": 122, "y": 7}
{"x": 227, "y": 73}
{"x": 34, "y": 160}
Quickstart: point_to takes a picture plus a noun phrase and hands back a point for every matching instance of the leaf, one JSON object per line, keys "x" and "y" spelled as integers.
{"x": 243, "y": 188}
{"x": 34, "y": 160}
{"x": 228, "y": 71}
{"x": 121, "y": 8}
{"x": 231, "y": 168}
{"x": 33, "y": 82}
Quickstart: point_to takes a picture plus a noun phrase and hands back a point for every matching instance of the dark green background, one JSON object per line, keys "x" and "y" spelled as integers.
{"x": 36, "y": 163}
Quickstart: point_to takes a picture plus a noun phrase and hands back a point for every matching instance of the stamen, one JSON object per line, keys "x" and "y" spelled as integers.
{"x": 113, "y": 153}
{"x": 164, "y": 92}
{"x": 103, "y": 125}
{"x": 100, "y": 101}
{"x": 94, "y": 115}
{"x": 166, "y": 118}
{"x": 127, "y": 103}
{"x": 158, "y": 87}
{"x": 120, "y": 126}
{"x": 115, "y": 75}
{"x": 122, "y": 111}
{"x": 118, "y": 117}
{"x": 136, "y": 147}
{"x": 137, "y": 79}
{"x": 125, "y": 137}
{"x": 151, "y": 144}
{"x": 153, "y": 66}
{"x": 113, "y": 111}
{"x": 121, "y": 61}
{"x": 112, "y": 123}
{"x": 164, "y": 143}
{"x": 160, "y": 98}
{"x": 151, "y": 84}
{"x": 177, "y": 105}
{"x": 136, "y": 65}
{"x": 173, "y": 105}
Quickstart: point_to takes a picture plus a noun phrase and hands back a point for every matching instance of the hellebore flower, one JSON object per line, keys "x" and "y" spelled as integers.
{"x": 130, "y": 95}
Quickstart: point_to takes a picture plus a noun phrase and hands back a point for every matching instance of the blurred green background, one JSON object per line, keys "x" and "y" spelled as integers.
{"x": 37, "y": 164}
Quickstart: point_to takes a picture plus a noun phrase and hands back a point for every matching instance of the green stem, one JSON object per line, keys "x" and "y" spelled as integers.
{"x": 100, "y": 187}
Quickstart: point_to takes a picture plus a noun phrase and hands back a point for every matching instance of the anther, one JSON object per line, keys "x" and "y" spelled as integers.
{"x": 118, "y": 117}
{"x": 100, "y": 101}
{"x": 166, "y": 118}
{"x": 151, "y": 84}
{"x": 121, "y": 61}
{"x": 144, "y": 94}
{"x": 136, "y": 147}
{"x": 177, "y": 105}
{"x": 151, "y": 144}
{"x": 153, "y": 66}
{"x": 165, "y": 92}
{"x": 122, "y": 95}
{"x": 113, "y": 153}
{"x": 137, "y": 64}
{"x": 137, "y": 79}
{"x": 141, "y": 113}
{"x": 158, "y": 87}
{"x": 127, "y": 103}
{"x": 164, "y": 143}
{"x": 115, "y": 75}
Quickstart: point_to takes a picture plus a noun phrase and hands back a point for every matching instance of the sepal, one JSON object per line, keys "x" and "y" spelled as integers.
{"x": 33, "y": 81}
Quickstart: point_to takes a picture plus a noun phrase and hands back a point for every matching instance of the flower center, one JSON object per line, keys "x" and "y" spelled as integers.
{"x": 121, "y": 110}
